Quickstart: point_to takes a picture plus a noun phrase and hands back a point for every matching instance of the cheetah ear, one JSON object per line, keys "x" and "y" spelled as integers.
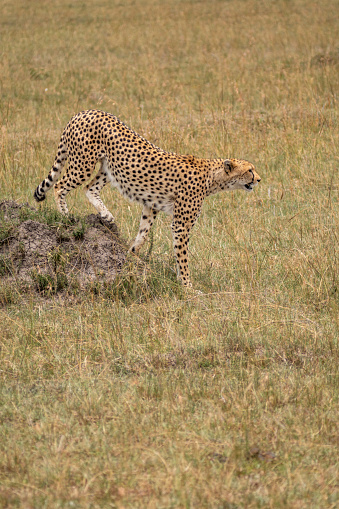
{"x": 228, "y": 164}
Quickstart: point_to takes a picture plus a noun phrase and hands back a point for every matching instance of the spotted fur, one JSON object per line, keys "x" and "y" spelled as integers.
{"x": 142, "y": 172}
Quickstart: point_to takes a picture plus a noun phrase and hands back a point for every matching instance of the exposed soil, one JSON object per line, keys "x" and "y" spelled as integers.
{"x": 44, "y": 252}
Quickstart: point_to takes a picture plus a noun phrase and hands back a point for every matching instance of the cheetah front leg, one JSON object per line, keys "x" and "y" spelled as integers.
{"x": 147, "y": 219}
{"x": 180, "y": 234}
{"x": 184, "y": 219}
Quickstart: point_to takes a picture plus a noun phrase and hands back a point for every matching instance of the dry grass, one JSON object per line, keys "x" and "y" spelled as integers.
{"x": 148, "y": 396}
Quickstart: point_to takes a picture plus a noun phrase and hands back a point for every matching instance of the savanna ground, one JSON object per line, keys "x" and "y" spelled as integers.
{"x": 139, "y": 394}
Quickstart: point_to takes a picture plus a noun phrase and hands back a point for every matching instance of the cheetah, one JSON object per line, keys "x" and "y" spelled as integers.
{"x": 159, "y": 180}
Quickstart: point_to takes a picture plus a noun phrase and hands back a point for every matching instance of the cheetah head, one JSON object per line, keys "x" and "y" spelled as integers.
{"x": 240, "y": 174}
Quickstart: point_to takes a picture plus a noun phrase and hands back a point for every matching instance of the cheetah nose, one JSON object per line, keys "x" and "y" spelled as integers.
{"x": 258, "y": 180}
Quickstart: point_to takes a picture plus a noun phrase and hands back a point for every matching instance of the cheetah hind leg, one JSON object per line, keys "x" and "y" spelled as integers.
{"x": 65, "y": 185}
{"x": 93, "y": 189}
{"x": 147, "y": 219}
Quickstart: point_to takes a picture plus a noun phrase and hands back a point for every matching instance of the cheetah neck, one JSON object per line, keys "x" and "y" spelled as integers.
{"x": 217, "y": 179}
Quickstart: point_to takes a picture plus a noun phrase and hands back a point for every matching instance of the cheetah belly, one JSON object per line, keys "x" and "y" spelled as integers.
{"x": 131, "y": 190}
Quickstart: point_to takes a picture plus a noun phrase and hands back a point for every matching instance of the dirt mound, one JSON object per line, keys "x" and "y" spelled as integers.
{"x": 51, "y": 251}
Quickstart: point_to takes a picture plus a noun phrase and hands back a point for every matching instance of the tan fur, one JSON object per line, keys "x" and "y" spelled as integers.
{"x": 142, "y": 172}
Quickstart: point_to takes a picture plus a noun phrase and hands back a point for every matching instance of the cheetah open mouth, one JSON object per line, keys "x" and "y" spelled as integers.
{"x": 249, "y": 187}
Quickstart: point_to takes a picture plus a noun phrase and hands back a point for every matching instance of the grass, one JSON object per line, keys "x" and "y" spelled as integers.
{"x": 139, "y": 394}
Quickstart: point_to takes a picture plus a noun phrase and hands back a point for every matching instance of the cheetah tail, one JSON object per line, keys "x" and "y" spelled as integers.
{"x": 54, "y": 174}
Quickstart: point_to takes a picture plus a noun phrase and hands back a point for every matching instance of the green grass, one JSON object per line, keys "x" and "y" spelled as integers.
{"x": 139, "y": 394}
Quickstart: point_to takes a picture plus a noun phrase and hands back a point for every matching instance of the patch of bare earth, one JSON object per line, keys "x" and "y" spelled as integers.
{"x": 83, "y": 250}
